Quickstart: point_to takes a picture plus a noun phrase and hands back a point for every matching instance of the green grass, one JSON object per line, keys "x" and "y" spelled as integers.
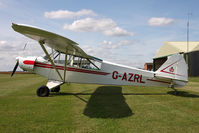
{"x": 83, "y": 108}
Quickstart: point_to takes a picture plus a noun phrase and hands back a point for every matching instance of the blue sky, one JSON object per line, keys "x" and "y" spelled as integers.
{"x": 127, "y": 32}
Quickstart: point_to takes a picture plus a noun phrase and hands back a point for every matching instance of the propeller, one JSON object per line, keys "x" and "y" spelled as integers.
{"x": 25, "y": 46}
{"x": 17, "y": 59}
{"x": 17, "y": 64}
{"x": 15, "y": 68}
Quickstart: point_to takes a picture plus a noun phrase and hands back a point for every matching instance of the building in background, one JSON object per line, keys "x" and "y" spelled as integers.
{"x": 148, "y": 66}
{"x": 190, "y": 52}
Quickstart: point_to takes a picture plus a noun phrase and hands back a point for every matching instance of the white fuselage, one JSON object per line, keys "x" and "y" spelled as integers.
{"x": 109, "y": 74}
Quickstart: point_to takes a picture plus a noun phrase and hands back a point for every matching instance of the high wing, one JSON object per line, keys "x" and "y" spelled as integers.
{"x": 57, "y": 42}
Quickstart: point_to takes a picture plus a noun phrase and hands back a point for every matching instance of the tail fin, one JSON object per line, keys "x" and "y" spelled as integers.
{"x": 174, "y": 68}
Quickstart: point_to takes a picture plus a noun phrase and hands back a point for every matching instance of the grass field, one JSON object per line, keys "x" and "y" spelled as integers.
{"x": 83, "y": 108}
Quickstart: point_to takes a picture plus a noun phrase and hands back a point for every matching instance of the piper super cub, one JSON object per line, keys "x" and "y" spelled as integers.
{"x": 78, "y": 67}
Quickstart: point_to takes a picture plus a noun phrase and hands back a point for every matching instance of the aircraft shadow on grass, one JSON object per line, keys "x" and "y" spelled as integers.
{"x": 183, "y": 94}
{"x": 105, "y": 102}
{"x": 109, "y": 102}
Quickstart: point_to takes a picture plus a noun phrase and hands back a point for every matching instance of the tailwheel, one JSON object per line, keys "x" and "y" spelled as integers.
{"x": 56, "y": 89}
{"x": 176, "y": 92}
{"x": 43, "y": 91}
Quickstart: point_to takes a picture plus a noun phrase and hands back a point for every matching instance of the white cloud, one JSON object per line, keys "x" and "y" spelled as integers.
{"x": 105, "y": 26}
{"x": 4, "y": 46}
{"x": 68, "y": 14}
{"x": 3, "y": 42}
{"x": 10, "y": 49}
{"x": 160, "y": 21}
{"x": 107, "y": 50}
{"x": 106, "y": 47}
{"x": 111, "y": 54}
{"x": 2, "y": 5}
{"x": 110, "y": 45}
{"x": 126, "y": 52}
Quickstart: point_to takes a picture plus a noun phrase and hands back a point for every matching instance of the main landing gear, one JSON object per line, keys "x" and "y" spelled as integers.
{"x": 56, "y": 89}
{"x": 44, "y": 91}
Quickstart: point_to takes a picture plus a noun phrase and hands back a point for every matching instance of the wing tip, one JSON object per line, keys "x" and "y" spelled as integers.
{"x": 13, "y": 24}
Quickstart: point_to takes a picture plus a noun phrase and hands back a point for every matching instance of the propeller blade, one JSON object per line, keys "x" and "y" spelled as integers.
{"x": 15, "y": 68}
{"x": 25, "y": 46}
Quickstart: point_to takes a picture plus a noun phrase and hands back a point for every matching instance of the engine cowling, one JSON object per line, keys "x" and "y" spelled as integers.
{"x": 27, "y": 63}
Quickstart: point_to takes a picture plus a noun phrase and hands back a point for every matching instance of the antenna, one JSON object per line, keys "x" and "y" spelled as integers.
{"x": 187, "y": 56}
{"x": 188, "y": 14}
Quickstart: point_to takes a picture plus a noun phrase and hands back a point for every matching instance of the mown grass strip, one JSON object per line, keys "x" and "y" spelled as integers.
{"x": 83, "y": 108}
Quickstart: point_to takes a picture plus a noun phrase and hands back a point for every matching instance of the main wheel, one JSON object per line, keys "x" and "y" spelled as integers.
{"x": 56, "y": 89}
{"x": 43, "y": 91}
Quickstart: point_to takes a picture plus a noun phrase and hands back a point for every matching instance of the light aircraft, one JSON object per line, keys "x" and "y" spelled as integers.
{"x": 68, "y": 63}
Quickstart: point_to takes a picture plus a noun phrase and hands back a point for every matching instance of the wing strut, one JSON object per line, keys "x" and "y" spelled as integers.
{"x": 65, "y": 64}
{"x": 45, "y": 51}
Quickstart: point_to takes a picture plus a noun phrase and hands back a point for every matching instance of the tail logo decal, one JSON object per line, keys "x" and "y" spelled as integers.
{"x": 171, "y": 70}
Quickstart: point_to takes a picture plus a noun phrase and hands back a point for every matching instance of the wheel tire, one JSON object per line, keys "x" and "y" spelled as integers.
{"x": 43, "y": 91}
{"x": 56, "y": 89}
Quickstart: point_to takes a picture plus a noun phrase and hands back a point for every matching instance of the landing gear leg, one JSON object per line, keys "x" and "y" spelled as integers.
{"x": 56, "y": 89}
{"x": 175, "y": 90}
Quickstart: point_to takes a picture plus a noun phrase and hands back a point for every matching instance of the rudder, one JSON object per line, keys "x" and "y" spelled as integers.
{"x": 174, "y": 68}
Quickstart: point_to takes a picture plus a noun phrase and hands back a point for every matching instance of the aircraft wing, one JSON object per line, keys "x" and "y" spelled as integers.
{"x": 57, "y": 42}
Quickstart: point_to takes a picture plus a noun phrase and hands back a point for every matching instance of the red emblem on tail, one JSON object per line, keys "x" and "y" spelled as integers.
{"x": 171, "y": 69}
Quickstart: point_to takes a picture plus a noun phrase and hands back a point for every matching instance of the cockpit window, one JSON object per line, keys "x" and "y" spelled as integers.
{"x": 74, "y": 61}
{"x": 53, "y": 55}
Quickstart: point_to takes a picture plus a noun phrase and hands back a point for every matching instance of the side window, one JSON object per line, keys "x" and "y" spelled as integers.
{"x": 95, "y": 64}
{"x": 59, "y": 58}
{"x": 74, "y": 61}
{"x": 85, "y": 63}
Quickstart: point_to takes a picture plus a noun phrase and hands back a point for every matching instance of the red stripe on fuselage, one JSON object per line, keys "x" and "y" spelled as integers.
{"x": 29, "y": 62}
{"x": 38, "y": 64}
{"x": 159, "y": 81}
